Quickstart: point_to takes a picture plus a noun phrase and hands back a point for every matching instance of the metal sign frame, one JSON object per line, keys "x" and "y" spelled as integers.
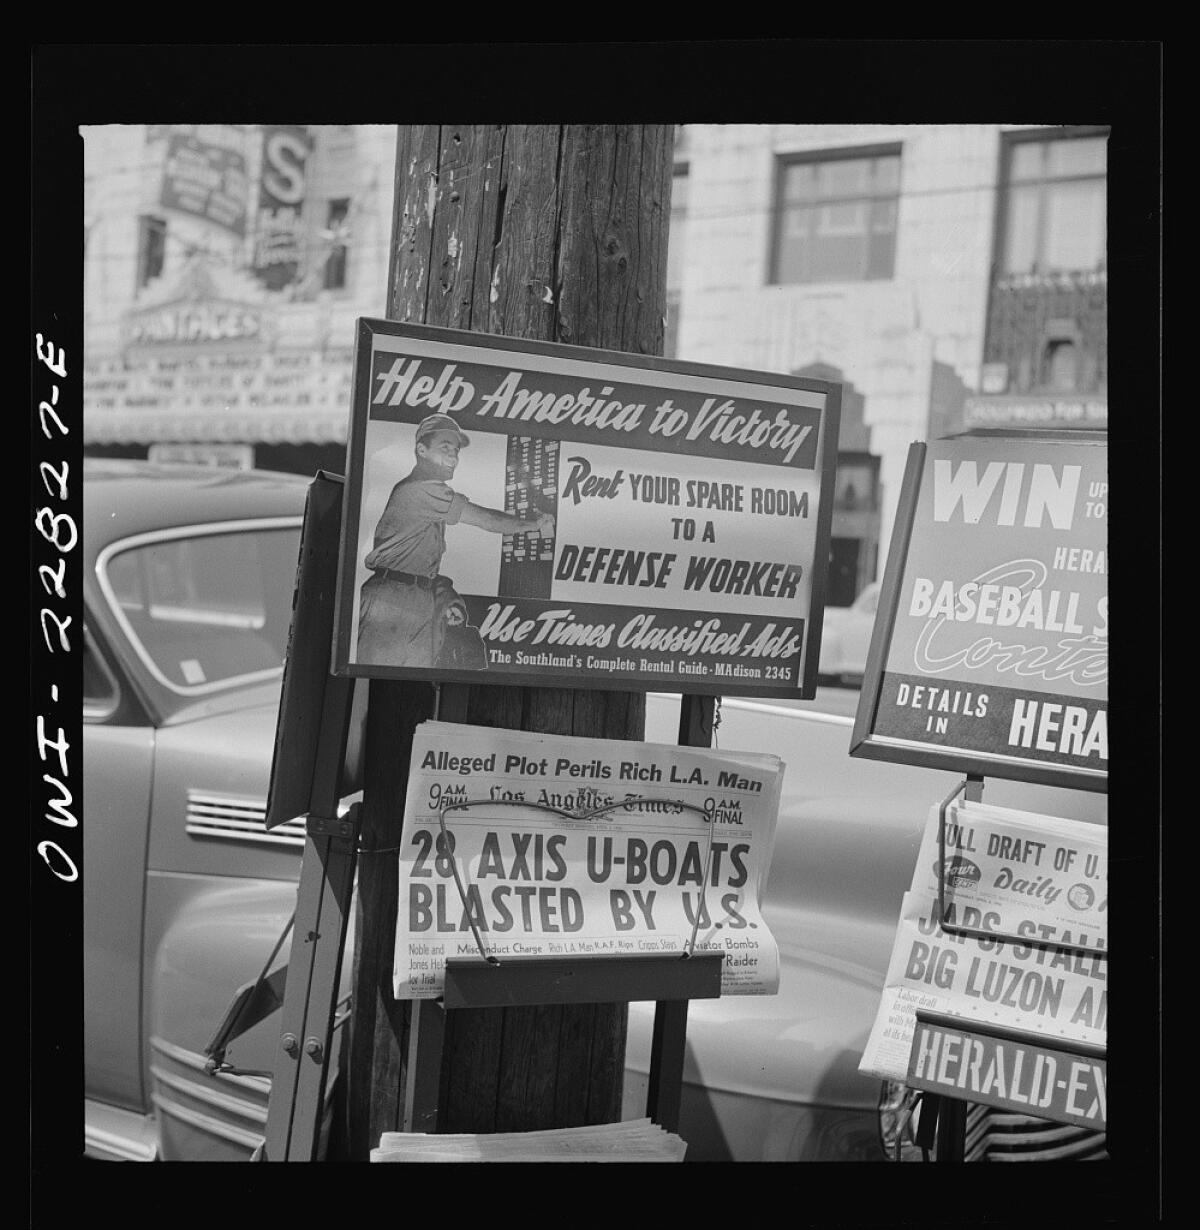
{"x": 869, "y": 741}
{"x": 755, "y": 632}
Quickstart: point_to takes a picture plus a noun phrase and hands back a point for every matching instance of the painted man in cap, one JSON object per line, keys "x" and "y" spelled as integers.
{"x": 405, "y": 602}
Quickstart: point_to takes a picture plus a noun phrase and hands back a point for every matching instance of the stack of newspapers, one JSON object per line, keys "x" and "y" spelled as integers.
{"x": 1031, "y": 894}
{"x": 635, "y": 1140}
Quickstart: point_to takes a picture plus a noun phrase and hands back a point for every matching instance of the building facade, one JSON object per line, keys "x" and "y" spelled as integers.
{"x": 951, "y": 277}
{"x": 225, "y": 266}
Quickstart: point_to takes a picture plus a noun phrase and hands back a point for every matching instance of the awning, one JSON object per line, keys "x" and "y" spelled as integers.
{"x": 1055, "y": 411}
{"x": 260, "y": 427}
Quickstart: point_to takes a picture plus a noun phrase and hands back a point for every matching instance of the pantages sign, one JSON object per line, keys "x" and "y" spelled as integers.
{"x": 190, "y": 321}
{"x": 199, "y": 308}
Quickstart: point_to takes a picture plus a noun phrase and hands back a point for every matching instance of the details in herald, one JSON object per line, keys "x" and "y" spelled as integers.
{"x": 999, "y": 644}
{"x": 690, "y": 510}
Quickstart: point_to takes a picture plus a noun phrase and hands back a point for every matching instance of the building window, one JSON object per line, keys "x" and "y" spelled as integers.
{"x": 1060, "y": 369}
{"x": 152, "y": 247}
{"x": 835, "y": 216}
{"x": 337, "y": 234}
{"x": 1054, "y": 203}
{"x": 99, "y": 687}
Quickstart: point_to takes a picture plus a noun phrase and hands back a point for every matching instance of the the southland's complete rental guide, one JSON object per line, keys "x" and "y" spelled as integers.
{"x": 524, "y": 845}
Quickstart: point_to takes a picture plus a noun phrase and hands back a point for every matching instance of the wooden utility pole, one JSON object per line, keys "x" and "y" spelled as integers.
{"x": 539, "y": 232}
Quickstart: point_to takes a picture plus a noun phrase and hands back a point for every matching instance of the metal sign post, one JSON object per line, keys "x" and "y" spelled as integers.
{"x": 307, "y": 778}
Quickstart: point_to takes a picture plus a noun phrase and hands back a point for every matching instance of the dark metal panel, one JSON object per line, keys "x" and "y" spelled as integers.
{"x": 593, "y": 980}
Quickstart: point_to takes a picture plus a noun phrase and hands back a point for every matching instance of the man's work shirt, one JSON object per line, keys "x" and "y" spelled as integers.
{"x": 411, "y": 535}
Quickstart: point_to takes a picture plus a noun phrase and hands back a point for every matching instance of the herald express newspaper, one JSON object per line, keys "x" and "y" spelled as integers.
{"x": 1009, "y": 872}
{"x": 576, "y": 847}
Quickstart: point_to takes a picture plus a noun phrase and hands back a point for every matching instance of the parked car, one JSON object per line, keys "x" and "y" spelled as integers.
{"x": 846, "y": 637}
{"x": 189, "y": 576}
{"x": 188, "y": 580}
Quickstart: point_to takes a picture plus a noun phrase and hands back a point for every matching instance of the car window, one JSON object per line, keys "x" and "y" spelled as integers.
{"x": 870, "y": 601}
{"x": 99, "y": 687}
{"x": 205, "y": 608}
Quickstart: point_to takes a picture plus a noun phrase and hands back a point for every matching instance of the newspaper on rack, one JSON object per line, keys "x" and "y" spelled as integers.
{"x": 1040, "y": 879}
{"x": 523, "y": 845}
{"x": 635, "y": 1140}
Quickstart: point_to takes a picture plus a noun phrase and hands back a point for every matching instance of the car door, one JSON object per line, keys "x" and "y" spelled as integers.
{"x": 118, "y": 758}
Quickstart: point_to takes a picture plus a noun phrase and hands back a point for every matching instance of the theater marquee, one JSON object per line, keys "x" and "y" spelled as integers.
{"x": 582, "y": 518}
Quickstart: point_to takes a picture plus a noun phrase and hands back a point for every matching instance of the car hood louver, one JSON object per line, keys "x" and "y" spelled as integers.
{"x": 237, "y": 818}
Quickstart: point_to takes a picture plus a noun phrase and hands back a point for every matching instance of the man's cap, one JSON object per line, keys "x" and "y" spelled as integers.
{"x": 441, "y": 422}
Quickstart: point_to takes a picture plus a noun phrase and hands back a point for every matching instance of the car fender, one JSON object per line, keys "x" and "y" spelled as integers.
{"x": 776, "y": 1077}
{"x": 213, "y": 939}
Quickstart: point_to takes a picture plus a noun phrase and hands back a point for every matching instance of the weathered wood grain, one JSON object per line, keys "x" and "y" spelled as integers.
{"x": 547, "y": 232}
